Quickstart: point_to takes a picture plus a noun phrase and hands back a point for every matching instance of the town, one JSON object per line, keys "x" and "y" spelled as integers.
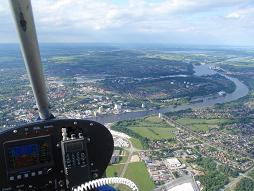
{"x": 183, "y": 129}
{"x": 167, "y": 160}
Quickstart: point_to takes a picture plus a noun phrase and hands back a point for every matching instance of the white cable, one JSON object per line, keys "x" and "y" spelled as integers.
{"x": 104, "y": 181}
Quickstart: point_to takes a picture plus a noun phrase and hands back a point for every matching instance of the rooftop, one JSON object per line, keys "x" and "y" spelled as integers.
{"x": 185, "y": 187}
{"x": 185, "y": 183}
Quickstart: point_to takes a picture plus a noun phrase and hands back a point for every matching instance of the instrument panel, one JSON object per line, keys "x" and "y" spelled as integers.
{"x": 53, "y": 155}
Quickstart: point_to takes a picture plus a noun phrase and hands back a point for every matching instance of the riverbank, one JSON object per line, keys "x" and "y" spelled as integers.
{"x": 241, "y": 90}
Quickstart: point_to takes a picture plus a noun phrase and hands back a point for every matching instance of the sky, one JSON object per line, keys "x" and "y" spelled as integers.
{"x": 215, "y": 22}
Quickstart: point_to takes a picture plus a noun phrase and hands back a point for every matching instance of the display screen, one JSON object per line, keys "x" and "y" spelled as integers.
{"x": 28, "y": 155}
{"x": 74, "y": 146}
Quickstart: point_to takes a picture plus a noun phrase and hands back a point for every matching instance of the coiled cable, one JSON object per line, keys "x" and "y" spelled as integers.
{"x": 104, "y": 181}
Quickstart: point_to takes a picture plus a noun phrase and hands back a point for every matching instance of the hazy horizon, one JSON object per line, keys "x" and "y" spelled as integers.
{"x": 143, "y": 44}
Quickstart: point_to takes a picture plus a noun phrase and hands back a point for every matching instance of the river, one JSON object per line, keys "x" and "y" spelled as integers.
{"x": 240, "y": 91}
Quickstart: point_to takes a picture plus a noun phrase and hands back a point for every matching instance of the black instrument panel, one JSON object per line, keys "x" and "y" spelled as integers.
{"x": 48, "y": 155}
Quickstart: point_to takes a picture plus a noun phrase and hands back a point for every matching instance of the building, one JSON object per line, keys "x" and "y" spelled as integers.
{"x": 120, "y": 142}
{"x": 222, "y": 93}
{"x": 100, "y": 110}
{"x": 173, "y": 163}
{"x": 118, "y": 107}
{"x": 115, "y": 157}
{"x": 185, "y": 183}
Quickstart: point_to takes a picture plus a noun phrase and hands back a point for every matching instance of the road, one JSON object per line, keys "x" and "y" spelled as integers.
{"x": 232, "y": 183}
{"x": 205, "y": 141}
{"x": 130, "y": 150}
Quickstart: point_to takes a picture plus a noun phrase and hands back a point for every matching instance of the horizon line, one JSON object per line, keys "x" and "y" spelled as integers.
{"x": 137, "y": 43}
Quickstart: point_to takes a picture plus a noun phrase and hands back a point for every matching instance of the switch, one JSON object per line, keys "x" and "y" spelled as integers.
{"x": 11, "y": 178}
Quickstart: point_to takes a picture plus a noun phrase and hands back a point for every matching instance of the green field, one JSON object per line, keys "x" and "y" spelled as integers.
{"x": 144, "y": 130}
{"x": 199, "y": 125}
{"x": 114, "y": 170}
{"x": 155, "y": 133}
{"x": 241, "y": 62}
{"x": 136, "y": 143}
{"x": 137, "y": 172}
{"x": 155, "y": 120}
{"x": 177, "y": 57}
{"x": 153, "y": 128}
{"x": 123, "y": 159}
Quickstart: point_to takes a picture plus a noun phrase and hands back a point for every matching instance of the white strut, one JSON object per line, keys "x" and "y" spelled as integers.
{"x": 105, "y": 181}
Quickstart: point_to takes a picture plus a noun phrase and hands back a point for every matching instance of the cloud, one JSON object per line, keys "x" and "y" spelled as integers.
{"x": 98, "y": 14}
{"x": 76, "y": 14}
{"x": 135, "y": 20}
{"x": 242, "y": 13}
{"x": 140, "y": 16}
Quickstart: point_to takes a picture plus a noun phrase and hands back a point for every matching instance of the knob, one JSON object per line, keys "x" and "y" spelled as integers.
{"x": 64, "y": 134}
{"x": 73, "y": 136}
{"x": 61, "y": 183}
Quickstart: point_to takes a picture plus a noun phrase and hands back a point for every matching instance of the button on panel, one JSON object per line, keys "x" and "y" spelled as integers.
{"x": 11, "y": 178}
{"x": 75, "y": 159}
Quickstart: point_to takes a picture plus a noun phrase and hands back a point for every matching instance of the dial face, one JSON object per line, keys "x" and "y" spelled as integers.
{"x": 23, "y": 156}
{"x": 28, "y": 155}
